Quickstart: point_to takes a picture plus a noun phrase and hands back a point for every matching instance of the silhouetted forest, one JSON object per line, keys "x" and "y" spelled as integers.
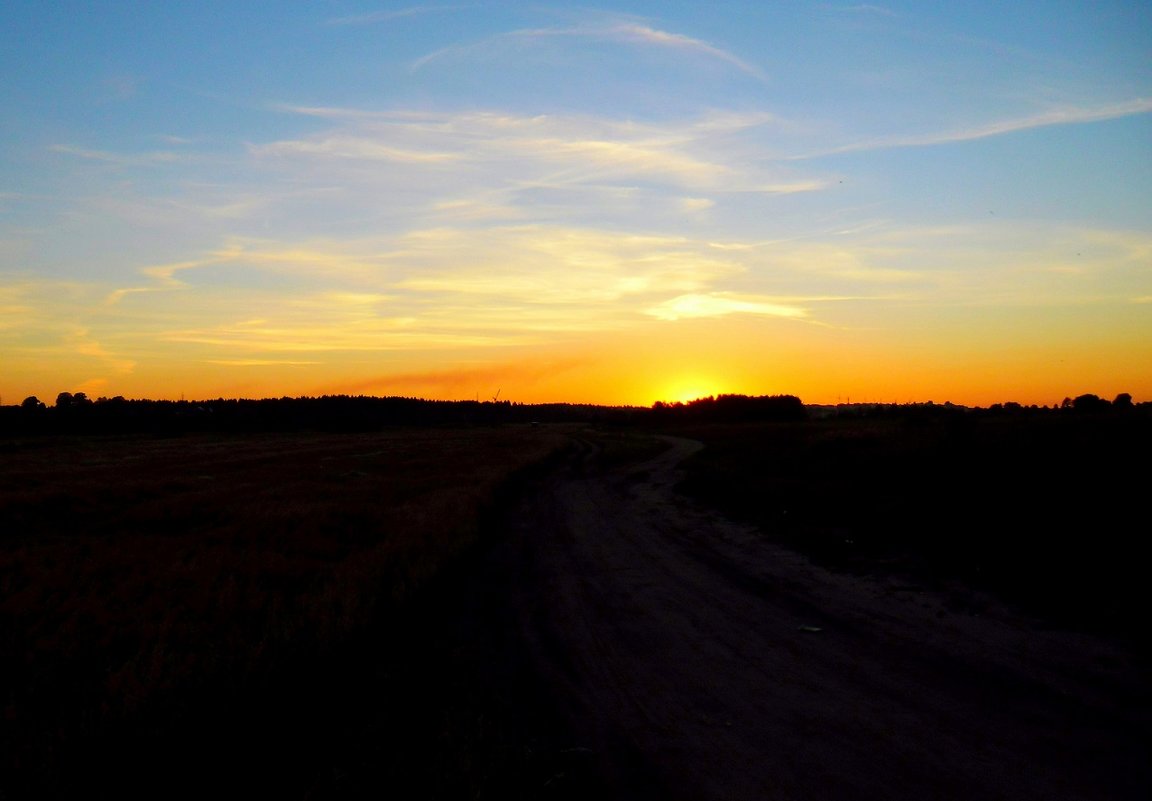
{"x": 76, "y": 413}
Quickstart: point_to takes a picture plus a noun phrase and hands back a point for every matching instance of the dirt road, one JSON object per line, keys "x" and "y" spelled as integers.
{"x": 693, "y": 659}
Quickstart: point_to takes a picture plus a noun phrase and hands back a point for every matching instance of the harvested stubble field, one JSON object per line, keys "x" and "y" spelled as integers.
{"x": 157, "y": 592}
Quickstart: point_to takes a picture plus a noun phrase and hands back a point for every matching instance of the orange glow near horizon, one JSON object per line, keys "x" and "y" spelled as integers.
{"x": 615, "y": 394}
{"x": 1013, "y": 355}
{"x": 662, "y": 362}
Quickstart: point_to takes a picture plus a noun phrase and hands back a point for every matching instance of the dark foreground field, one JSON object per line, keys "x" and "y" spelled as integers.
{"x": 180, "y": 613}
{"x": 532, "y": 612}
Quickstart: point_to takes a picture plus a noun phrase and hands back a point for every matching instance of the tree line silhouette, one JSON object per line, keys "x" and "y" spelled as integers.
{"x": 734, "y": 408}
{"x": 76, "y": 412}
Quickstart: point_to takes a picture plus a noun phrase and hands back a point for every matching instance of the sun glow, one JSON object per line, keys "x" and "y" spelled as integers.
{"x": 688, "y": 389}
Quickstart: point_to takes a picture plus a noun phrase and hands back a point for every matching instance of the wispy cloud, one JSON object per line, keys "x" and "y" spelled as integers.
{"x": 121, "y": 87}
{"x": 341, "y": 337}
{"x": 627, "y": 33}
{"x": 718, "y": 304}
{"x": 864, "y": 8}
{"x": 652, "y": 36}
{"x": 428, "y": 289}
{"x": 1007, "y": 265}
{"x": 120, "y": 159}
{"x": 1063, "y": 115}
{"x": 466, "y": 293}
{"x": 376, "y": 17}
{"x": 548, "y": 150}
{"x": 551, "y": 265}
{"x": 467, "y": 380}
{"x": 163, "y": 277}
{"x": 349, "y": 147}
{"x": 338, "y": 262}
{"x": 16, "y": 306}
{"x": 259, "y": 362}
{"x": 696, "y": 204}
{"x": 80, "y": 341}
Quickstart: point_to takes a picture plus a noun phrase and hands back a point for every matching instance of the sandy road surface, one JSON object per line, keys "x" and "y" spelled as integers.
{"x": 695, "y": 660}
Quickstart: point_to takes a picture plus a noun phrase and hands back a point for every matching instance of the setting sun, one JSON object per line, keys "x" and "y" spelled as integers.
{"x": 688, "y": 389}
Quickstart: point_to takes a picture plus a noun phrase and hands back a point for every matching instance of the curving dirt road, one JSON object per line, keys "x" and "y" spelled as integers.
{"x": 693, "y": 659}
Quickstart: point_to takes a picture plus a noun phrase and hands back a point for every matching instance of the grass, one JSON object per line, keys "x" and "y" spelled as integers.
{"x": 147, "y": 584}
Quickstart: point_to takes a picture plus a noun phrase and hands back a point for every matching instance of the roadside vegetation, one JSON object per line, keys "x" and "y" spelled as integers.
{"x": 1045, "y": 510}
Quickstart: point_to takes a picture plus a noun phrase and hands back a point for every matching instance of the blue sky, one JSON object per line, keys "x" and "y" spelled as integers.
{"x": 613, "y": 203}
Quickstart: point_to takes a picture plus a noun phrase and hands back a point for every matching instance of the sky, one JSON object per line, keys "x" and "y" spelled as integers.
{"x": 614, "y": 204}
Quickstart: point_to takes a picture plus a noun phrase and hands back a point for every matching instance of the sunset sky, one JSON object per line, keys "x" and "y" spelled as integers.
{"x": 614, "y": 203}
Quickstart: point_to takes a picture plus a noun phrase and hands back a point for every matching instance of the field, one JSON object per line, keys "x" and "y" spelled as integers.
{"x": 158, "y": 595}
{"x": 313, "y": 615}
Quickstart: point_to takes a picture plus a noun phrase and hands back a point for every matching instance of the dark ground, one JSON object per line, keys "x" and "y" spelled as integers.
{"x": 692, "y": 658}
{"x": 609, "y": 638}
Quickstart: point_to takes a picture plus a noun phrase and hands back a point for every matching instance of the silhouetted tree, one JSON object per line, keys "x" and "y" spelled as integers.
{"x": 1089, "y": 403}
{"x": 32, "y": 402}
{"x": 1123, "y": 401}
{"x": 63, "y": 400}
